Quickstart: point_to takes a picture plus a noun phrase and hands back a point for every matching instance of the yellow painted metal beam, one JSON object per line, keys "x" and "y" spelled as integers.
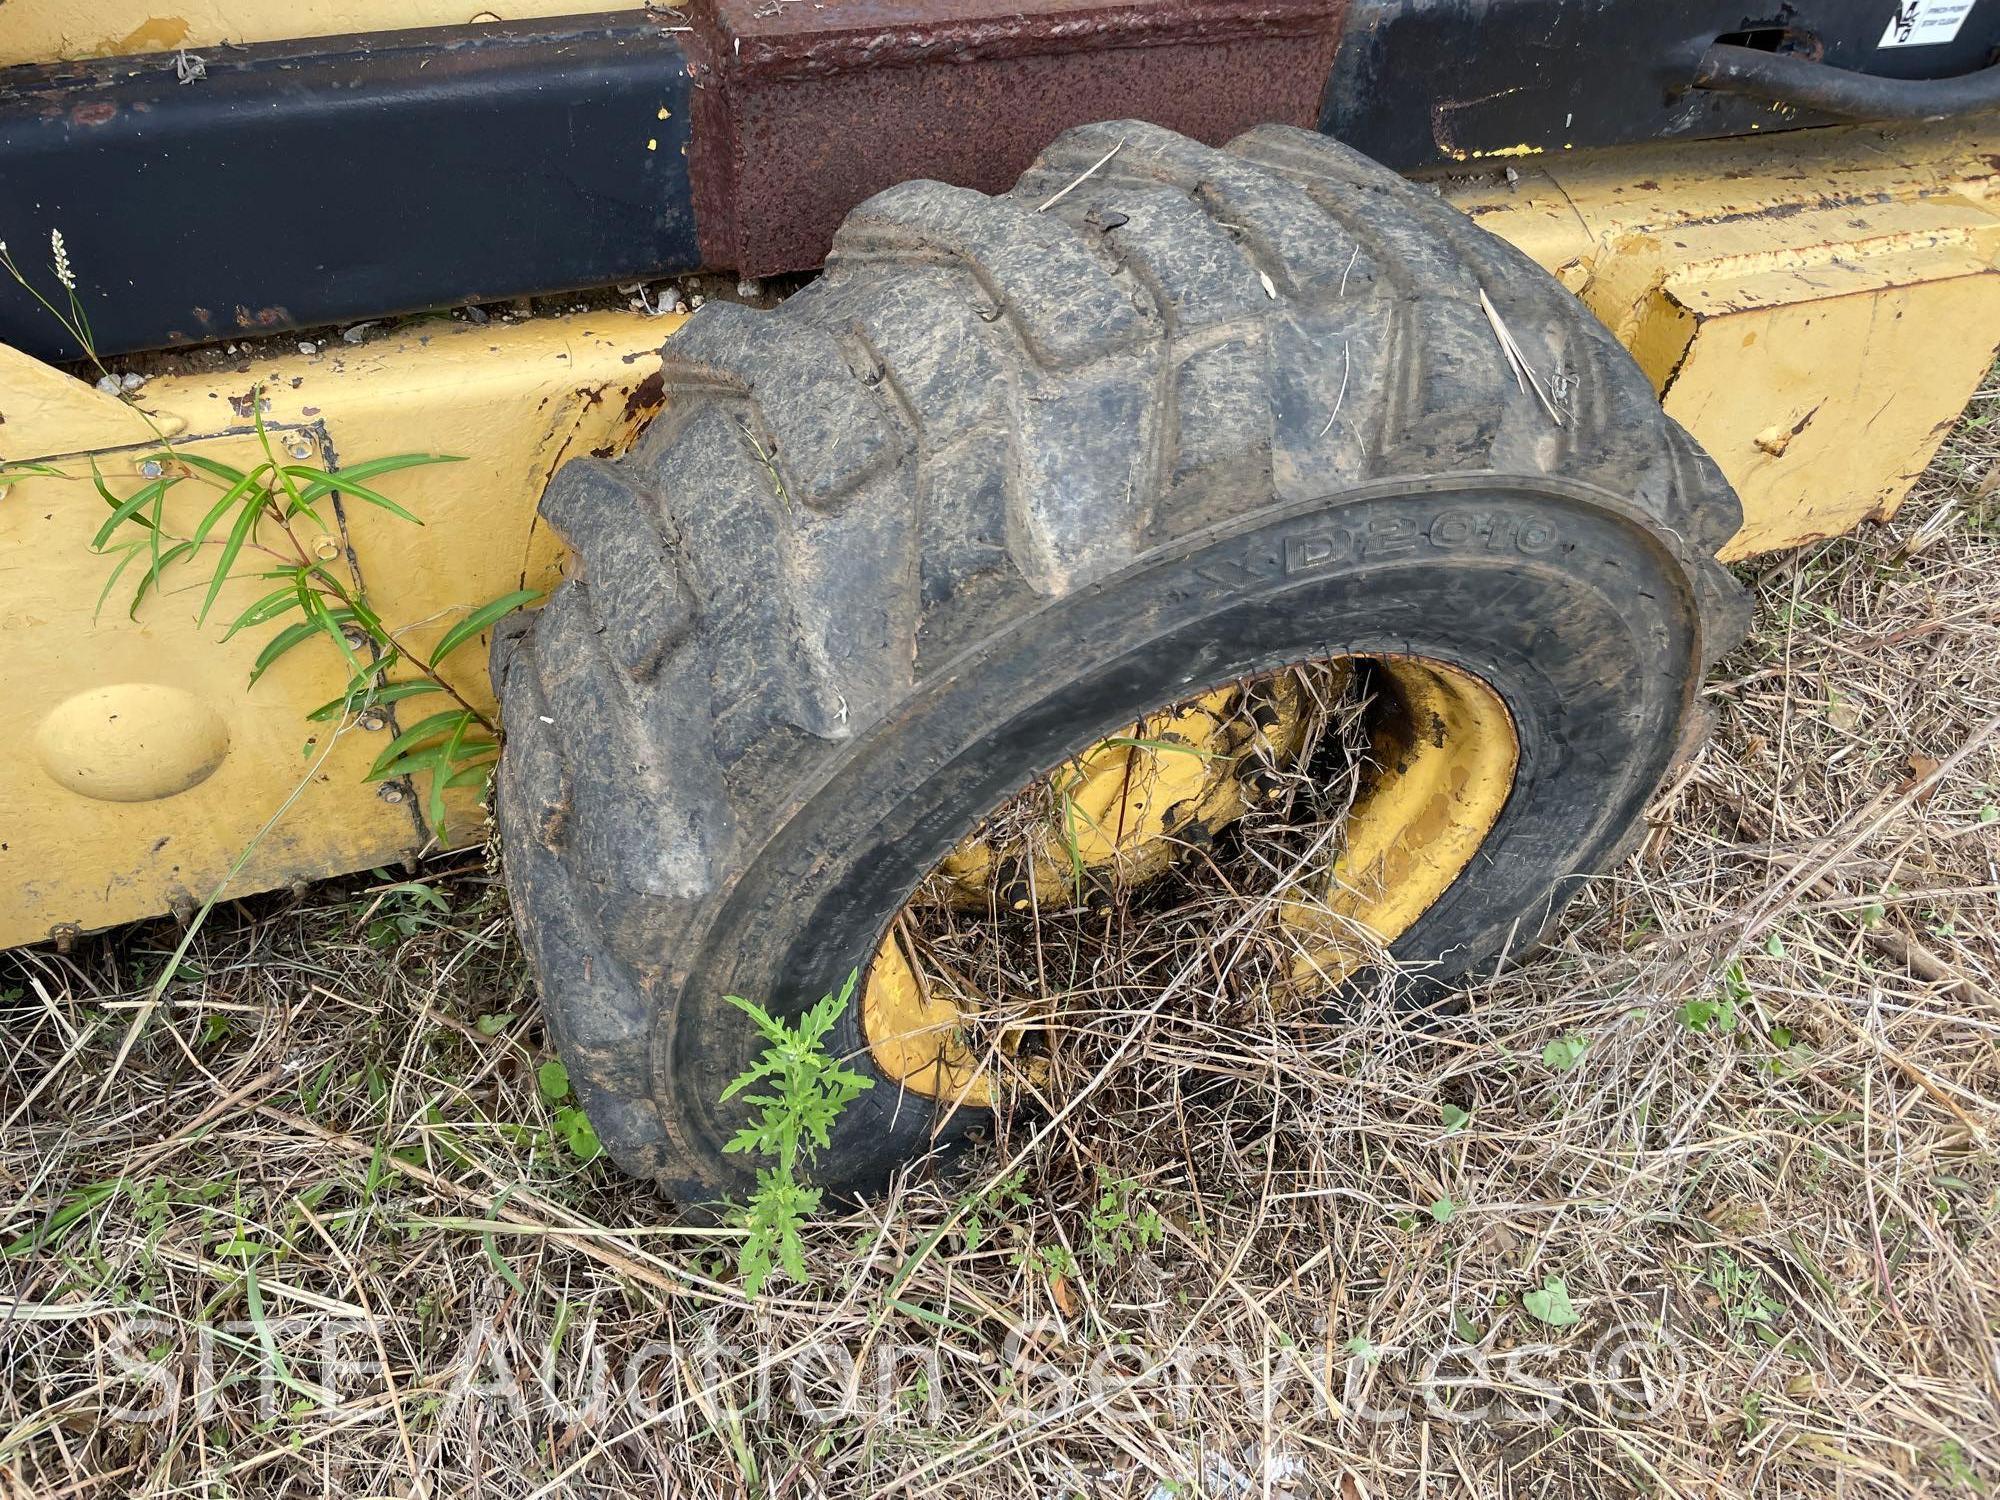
{"x": 139, "y": 762}
{"x": 1815, "y": 307}
{"x": 34, "y": 31}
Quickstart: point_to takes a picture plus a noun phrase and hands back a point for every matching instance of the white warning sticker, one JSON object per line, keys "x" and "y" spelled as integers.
{"x": 1924, "y": 23}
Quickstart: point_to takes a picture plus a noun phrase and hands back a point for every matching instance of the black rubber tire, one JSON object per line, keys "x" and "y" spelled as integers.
{"x": 1004, "y": 477}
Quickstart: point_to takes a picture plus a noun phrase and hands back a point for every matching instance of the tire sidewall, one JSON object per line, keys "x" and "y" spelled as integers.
{"x": 1580, "y": 616}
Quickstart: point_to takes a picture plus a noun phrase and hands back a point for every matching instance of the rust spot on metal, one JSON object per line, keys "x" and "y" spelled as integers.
{"x": 647, "y": 397}
{"x": 97, "y": 112}
{"x": 801, "y": 112}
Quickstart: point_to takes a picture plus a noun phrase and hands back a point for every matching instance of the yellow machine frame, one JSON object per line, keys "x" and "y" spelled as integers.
{"x": 45, "y": 30}
{"x": 1815, "y": 307}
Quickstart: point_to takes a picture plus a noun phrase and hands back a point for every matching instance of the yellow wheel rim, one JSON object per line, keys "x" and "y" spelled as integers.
{"x": 1444, "y": 752}
{"x": 1446, "y": 756}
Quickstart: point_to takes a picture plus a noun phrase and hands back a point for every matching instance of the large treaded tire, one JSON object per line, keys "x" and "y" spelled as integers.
{"x": 1001, "y": 479}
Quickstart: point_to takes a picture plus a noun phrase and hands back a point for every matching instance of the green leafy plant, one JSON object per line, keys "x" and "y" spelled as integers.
{"x": 1049, "y": 1261}
{"x": 401, "y": 909}
{"x": 1564, "y": 1053}
{"x": 572, "y": 1124}
{"x": 1118, "y": 1224}
{"x": 1004, "y": 1193}
{"x": 1716, "y": 1013}
{"x": 252, "y": 524}
{"x": 1549, "y": 1303}
{"x": 1958, "y": 1470}
{"x": 256, "y": 515}
{"x": 315, "y": 594}
{"x": 805, "y": 1090}
{"x": 1745, "y": 1301}
{"x": 1723, "y": 1011}
{"x": 1752, "y": 1411}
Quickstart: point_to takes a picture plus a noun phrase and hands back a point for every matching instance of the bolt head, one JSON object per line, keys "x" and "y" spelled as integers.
{"x": 391, "y": 791}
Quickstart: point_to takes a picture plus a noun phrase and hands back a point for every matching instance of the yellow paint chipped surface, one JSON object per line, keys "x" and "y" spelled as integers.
{"x": 915, "y": 1034}
{"x": 56, "y": 30}
{"x": 1116, "y": 809}
{"x": 139, "y": 763}
{"x": 1446, "y": 759}
{"x": 1524, "y": 149}
{"x": 1816, "y": 307}
{"x": 1445, "y": 751}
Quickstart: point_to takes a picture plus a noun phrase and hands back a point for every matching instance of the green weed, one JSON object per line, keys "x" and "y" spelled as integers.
{"x": 1958, "y": 1470}
{"x": 1006, "y": 1192}
{"x": 1745, "y": 1302}
{"x": 807, "y": 1090}
{"x": 1117, "y": 1225}
{"x": 250, "y": 527}
{"x": 254, "y": 519}
{"x": 1549, "y": 1303}
{"x": 571, "y": 1123}
{"x": 1564, "y": 1053}
{"x": 1051, "y": 1261}
{"x": 402, "y": 909}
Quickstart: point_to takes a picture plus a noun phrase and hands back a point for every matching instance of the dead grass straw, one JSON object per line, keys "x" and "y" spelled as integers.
{"x": 1737, "y": 1123}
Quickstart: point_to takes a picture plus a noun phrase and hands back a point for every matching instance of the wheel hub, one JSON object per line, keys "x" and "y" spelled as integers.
{"x": 1441, "y": 761}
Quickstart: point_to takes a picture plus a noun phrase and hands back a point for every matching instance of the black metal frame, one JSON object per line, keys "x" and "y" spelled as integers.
{"x": 1427, "y": 82}
{"x": 306, "y": 183}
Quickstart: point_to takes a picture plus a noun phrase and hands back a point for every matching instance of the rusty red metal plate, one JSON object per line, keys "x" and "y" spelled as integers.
{"x": 803, "y": 108}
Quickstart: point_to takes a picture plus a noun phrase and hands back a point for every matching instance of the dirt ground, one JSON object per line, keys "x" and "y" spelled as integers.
{"x": 1701, "y": 1202}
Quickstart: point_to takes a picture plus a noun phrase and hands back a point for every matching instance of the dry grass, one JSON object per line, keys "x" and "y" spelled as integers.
{"x": 325, "y": 1235}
